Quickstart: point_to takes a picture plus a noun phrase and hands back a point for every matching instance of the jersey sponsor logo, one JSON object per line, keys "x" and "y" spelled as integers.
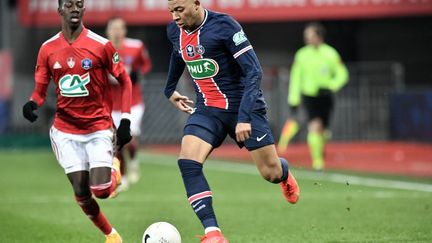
{"x": 190, "y": 50}
{"x": 116, "y": 58}
{"x": 74, "y": 85}
{"x": 57, "y": 65}
{"x": 203, "y": 68}
{"x": 86, "y": 63}
{"x": 71, "y": 62}
{"x": 199, "y": 49}
{"x": 239, "y": 37}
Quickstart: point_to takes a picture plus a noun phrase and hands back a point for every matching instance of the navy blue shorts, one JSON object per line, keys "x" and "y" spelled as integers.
{"x": 213, "y": 125}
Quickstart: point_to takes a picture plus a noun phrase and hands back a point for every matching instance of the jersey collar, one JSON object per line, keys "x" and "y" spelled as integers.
{"x": 83, "y": 33}
{"x": 199, "y": 27}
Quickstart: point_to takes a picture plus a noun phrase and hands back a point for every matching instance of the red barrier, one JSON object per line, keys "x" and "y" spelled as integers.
{"x": 146, "y": 12}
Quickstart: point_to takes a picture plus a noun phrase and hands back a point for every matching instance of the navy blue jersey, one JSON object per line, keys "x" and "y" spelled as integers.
{"x": 222, "y": 63}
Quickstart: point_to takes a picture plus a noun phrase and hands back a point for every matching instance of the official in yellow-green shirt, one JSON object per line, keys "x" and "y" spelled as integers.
{"x": 316, "y": 74}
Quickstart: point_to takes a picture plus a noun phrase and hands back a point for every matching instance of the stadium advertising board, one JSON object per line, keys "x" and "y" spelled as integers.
{"x": 138, "y": 12}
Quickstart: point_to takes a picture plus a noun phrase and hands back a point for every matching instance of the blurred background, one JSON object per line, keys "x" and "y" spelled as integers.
{"x": 386, "y": 44}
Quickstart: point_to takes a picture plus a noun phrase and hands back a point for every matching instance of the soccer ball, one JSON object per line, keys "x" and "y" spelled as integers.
{"x": 161, "y": 232}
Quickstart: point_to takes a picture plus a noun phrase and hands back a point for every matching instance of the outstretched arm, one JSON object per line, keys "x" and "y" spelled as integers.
{"x": 42, "y": 78}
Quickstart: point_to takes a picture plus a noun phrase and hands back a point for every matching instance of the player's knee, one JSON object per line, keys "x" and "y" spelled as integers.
{"x": 271, "y": 174}
{"x": 189, "y": 167}
{"x": 81, "y": 191}
{"x": 101, "y": 191}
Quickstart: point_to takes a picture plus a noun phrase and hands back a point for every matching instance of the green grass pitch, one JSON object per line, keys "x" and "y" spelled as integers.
{"x": 37, "y": 205}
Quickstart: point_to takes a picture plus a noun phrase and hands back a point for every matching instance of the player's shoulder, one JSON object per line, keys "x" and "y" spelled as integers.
{"x": 172, "y": 31}
{"x": 132, "y": 43}
{"x": 96, "y": 39}
{"x": 223, "y": 19}
{"x": 51, "y": 41}
{"x": 329, "y": 49}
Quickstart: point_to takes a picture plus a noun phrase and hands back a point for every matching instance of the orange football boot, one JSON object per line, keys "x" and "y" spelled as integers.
{"x": 290, "y": 189}
{"x": 213, "y": 237}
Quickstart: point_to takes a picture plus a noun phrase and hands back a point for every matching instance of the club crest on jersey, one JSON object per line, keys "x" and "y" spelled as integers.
{"x": 74, "y": 85}
{"x": 190, "y": 50}
{"x": 199, "y": 49}
{"x": 239, "y": 37}
{"x": 70, "y": 62}
{"x": 86, "y": 63}
{"x": 203, "y": 68}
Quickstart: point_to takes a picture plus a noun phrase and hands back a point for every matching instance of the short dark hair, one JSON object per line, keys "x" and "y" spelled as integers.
{"x": 318, "y": 27}
{"x": 60, "y": 2}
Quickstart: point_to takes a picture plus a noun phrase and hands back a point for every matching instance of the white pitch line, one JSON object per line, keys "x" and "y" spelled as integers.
{"x": 224, "y": 166}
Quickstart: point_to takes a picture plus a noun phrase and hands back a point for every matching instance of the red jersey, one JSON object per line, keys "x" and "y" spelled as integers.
{"x": 79, "y": 71}
{"x": 135, "y": 57}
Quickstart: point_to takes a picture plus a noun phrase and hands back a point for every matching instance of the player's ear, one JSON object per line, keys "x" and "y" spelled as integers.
{"x": 60, "y": 11}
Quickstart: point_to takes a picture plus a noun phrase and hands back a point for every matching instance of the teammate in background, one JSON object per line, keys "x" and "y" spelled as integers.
{"x": 137, "y": 62}
{"x": 227, "y": 77}
{"x": 317, "y": 73}
{"x": 77, "y": 60}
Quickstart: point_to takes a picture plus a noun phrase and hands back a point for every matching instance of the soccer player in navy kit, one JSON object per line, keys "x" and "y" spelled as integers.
{"x": 227, "y": 75}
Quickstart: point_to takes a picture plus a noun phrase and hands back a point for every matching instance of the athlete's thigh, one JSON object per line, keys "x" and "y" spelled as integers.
{"x": 194, "y": 148}
{"x": 203, "y": 132}
{"x": 261, "y": 135}
{"x": 69, "y": 151}
{"x": 99, "y": 149}
{"x": 319, "y": 108}
{"x": 265, "y": 157}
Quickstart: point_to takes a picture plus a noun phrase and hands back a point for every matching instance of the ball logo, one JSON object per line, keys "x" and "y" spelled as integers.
{"x": 146, "y": 237}
{"x": 203, "y": 68}
{"x": 74, "y": 85}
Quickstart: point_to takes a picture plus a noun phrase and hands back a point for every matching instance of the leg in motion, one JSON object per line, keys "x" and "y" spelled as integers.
{"x": 193, "y": 153}
{"x": 83, "y": 196}
{"x": 275, "y": 170}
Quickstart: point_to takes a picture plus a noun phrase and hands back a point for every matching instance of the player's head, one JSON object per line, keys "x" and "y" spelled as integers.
{"x": 72, "y": 12}
{"x": 188, "y": 14}
{"x": 116, "y": 29}
{"x": 314, "y": 33}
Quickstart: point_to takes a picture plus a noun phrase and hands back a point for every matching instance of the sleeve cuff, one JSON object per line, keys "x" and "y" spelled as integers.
{"x": 126, "y": 116}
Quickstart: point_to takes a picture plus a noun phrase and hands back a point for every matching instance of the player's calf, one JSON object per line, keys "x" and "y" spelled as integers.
{"x": 275, "y": 173}
{"x": 91, "y": 209}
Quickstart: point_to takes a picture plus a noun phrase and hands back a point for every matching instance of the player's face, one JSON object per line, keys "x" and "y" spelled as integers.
{"x": 116, "y": 30}
{"x": 185, "y": 13}
{"x": 311, "y": 37}
{"x": 72, "y": 12}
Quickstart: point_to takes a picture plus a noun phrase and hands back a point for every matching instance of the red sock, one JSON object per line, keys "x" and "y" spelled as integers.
{"x": 91, "y": 209}
{"x": 104, "y": 190}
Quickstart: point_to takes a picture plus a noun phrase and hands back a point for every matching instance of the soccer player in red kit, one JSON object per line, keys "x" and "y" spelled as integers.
{"x": 77, "y": 60}
{"x": 136, "y": 59}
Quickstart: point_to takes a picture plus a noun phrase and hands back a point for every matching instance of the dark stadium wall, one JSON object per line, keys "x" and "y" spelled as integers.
{"x": 407, "y": 40}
